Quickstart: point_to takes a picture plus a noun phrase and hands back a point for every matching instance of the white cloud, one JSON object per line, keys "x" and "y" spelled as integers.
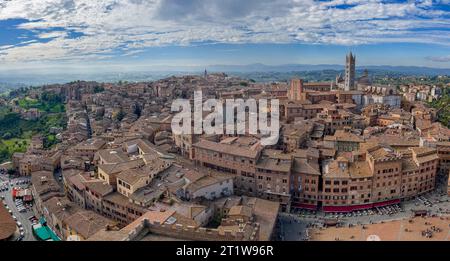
{"x": 132, "y": 25}
{"x": 54, "y": 34}
{"x": 439, "y": 59}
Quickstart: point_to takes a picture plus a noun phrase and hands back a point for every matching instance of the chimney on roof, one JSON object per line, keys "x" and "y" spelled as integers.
{"x": 43, "y": 180}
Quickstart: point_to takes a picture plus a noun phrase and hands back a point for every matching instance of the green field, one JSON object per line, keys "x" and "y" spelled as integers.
{"x": 442, "y": 105}
{"x": 27, "y": 103}
{"x": 51, "y": 106}
{"x": 8, "y": 147}
{"x": 16, "y": 132}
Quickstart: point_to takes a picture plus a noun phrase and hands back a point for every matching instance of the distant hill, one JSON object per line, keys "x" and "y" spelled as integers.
{"x": 258, "y": 67}
{"x": 7, "y": 86}
{"x": 259, "y": 72}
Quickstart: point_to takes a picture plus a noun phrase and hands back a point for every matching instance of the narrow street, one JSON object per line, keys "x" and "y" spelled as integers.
{"x": 21, "y": 217}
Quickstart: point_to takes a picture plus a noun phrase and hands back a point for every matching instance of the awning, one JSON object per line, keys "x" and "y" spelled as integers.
{"x": 346, "y": 208}
{"x": 304, "y": 206}
{"x": 14, "y": 192}
{"x": 350, "y": 208}
{"x": 43, "y": 232}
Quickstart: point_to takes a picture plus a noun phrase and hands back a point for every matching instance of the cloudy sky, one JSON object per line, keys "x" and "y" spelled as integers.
{"x": 46, "y": 33}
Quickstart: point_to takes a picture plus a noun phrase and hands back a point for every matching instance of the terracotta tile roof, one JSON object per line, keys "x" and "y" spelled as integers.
{"x": 99, "y": 186}
{"x": 208, "y": 180}
{"x": 151, "y": 216}
{"x": 131, "y": 176}
{"x": 423, "y": 151}
{"x": 358, "y": 169}
{"x": 395, "y": 140}
{"x": 304, "y": 153}
{"x": 240, "y": 211}
{"x": 44, "y": 182}
{"x": 427, "y": 158}
{"x": 87, "y": 223}
{"x": 119, "y": 167}
{"x": 112, "y": 156}
{"x": 265, "y": 213}
{"x": 231, "y": 149}
{"x": 7, "y": 223}
{"x": 383, "y": 153}
{"x": 301, "y": 165}
{"x": 91, "y": 144}
{"x": 342, "y": 135}
{"x": 228, "y": 202}
{"x": 117, "y": 198}
{"x": 61, "y": 207}
{"x": 408, "y": 164}
{"x": 281, "y": 163}
{"x": 78, "y": 181}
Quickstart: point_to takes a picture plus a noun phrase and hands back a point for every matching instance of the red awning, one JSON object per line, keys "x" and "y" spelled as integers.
{"x": 341, "y": 208}
{"x": 304, "y": 206}
{"x": 14, "y": 193}
{"x": 359, "y": 207}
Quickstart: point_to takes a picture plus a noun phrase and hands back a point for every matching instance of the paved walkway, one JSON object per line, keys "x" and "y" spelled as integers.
{"x": 294, "y": 226}
{"x": 398, "y": 230}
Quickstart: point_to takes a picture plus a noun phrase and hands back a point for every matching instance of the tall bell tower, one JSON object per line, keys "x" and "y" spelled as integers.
{"x": 350, "y": 61}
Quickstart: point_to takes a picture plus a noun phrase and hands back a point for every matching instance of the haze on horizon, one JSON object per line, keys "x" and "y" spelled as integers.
{"x": 83, "y": 35}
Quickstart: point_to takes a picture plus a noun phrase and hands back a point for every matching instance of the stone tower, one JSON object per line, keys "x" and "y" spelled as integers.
{"x": 349, "y": 84}
{"x": 295, "y": 90}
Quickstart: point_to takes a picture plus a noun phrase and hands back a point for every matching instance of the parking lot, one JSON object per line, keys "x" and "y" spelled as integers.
{"x": 294, "y": 225}
{"x": 21, "y": 212}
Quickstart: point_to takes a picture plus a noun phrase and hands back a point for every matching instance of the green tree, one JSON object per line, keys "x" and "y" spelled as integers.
{"x": 137, "y": 110}
{"x": 4, "y": 154}
{"x": 98, "y": 89}
{"x": 442, "y": 106}
{"x": 7, "y": 135}
{"x": 120, "y": 115}
{"x": 244, "y": 84}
